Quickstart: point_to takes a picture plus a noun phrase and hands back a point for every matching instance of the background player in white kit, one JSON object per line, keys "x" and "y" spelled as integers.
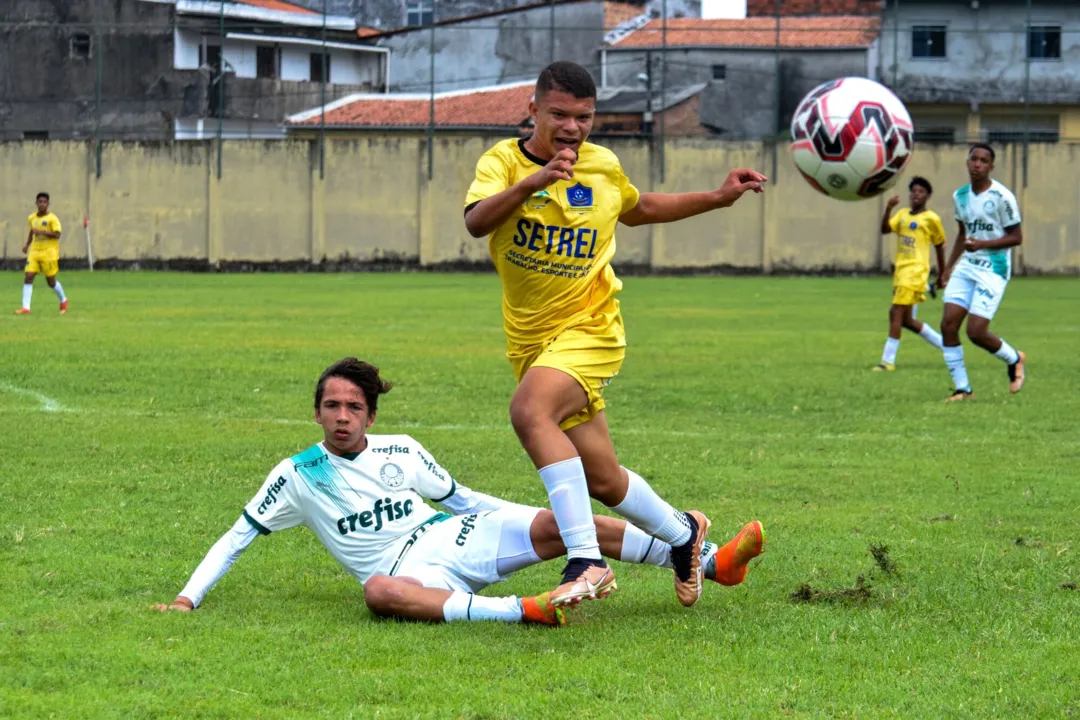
{"x": 363, "y": 496}
{"x": 988, "y": 219}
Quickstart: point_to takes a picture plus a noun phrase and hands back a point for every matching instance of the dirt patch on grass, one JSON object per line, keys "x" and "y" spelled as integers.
{"x": 861, "y": 594}
{"x": 881, "y": 557}
{"x": 940, "y": 518}
{"x": 1068, "y": 586}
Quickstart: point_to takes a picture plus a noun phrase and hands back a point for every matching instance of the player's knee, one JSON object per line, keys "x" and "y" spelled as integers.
{"x": 525, "y": 415}
{"x": 381, "y": 593}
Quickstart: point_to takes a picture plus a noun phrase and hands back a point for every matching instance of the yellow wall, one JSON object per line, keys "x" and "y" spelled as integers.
{"x": 164, "y": 202}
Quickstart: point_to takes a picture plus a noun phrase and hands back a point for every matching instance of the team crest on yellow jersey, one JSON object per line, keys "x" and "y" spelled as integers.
{"x": 580, "y": 197}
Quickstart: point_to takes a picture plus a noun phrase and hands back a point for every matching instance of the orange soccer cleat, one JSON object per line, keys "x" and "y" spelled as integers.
{"x": 540, "y": 610}
{"x": 731, "y": 559}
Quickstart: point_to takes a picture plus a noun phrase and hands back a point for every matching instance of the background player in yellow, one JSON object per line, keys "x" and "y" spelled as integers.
{"x": 43, "y": 248}
{"x": 550, "y": 203}
{"x": 917, "y": 229}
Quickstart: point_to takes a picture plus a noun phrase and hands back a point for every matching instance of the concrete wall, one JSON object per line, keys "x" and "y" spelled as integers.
{"x": 744, "y": 104}
{"x": 494, "y": 50}
{"x": 986, "y": 50}
{"x": 164, "y": 202}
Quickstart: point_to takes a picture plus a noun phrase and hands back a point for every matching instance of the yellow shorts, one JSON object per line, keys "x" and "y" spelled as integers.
{"x": 591, "y": 352}
{"x": 902, "y": 295}
{"x": 46, "y": 262}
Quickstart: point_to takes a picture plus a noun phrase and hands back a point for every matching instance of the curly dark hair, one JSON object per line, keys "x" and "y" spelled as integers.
{"x": 568, "y": 77}
{"x": 918, "y": 180}
{"x": 364, "y": 375}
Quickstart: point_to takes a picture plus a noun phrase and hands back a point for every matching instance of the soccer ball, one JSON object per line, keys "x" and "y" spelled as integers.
{"x": 851, "y": 138}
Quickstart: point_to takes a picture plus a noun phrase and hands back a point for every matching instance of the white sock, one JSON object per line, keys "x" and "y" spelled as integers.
{"x": 59, "y": 290}
{"x": 466, "y": 606}
{"x": 1007, "y": 353}
{"x": 639, "y": 548}
{"x": 931, "y": 336}
{"x": 568, "y": 493}
{"x": 954, "y": 360}
{"x": 643, "y": 549}
{"x": 644, "y": 508}
{"x": 889, "y": 355}
{"x": 27, "y": 291}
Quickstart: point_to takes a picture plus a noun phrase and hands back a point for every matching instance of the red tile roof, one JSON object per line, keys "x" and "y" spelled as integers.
{"x": 279, "y": 5}
{"x": 814, "y": 7}
{"x": 758, "y": 32}
{"x": 500, "y": 106}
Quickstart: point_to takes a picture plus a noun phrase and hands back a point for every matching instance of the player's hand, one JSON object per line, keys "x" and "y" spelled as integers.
{"x": 973, "y": 245}
{"x": 738, "y": 182}
{"x": 180, "y": 604}
{"x": 892, "y": 202}
{"x": 941, "y": 281}
{"x": 560, "y": 167}
{"x": 26, "y": 248}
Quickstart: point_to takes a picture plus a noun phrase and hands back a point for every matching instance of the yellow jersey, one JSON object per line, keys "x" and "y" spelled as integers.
{"x": 48, "y": 222}
{"x": 915, "y": 233}
{"x": 554, "y": 253}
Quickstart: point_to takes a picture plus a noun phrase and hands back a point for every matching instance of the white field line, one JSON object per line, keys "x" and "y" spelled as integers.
{"x": 47, "y": 403}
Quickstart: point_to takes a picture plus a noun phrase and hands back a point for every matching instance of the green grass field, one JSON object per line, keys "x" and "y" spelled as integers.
{"x": 133, "y": 430}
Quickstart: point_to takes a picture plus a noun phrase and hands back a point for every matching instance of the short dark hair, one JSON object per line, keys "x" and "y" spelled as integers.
{"x": 41, "y": 195}
{"x": 917, "y": 180}
{"x": 568, "y": 77}
{"x": 364, "y": 375}
{"x": 986, "y": 147}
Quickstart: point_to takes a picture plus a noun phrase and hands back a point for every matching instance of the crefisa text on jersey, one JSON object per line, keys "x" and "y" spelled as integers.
{"x": 390, "y": 450}
{"x": 392, "y": 510}
{"x": 271, "y": 494}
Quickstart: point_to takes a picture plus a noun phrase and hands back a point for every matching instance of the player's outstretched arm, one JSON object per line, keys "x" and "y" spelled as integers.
{"x": 216, "y": 563}
{"x": 488, "y": 214}
{"x": 668, "y": 207}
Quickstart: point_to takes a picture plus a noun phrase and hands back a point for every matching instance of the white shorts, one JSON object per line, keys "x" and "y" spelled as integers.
{"x": 977, "y": 290}
{"x": 463, "y": 553}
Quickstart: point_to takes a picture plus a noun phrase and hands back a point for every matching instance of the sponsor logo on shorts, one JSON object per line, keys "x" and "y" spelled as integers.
{"x": 373, "y": 518}
{"x": 468, "y": 524}
{"x": 271, "y": 494}
{"x": 984, "y": 292}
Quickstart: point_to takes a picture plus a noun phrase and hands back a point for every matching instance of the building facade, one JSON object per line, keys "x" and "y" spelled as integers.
{"x": 994, "y": 71}
{"x": 139, "y": 69}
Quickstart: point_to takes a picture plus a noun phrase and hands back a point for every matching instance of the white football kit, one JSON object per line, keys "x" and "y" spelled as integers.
{"x": 979, "y": 278}
{"x": 369, "y": 511}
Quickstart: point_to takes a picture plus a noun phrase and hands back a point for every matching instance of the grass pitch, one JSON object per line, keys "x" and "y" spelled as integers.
{"x": 922, "y": 560}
